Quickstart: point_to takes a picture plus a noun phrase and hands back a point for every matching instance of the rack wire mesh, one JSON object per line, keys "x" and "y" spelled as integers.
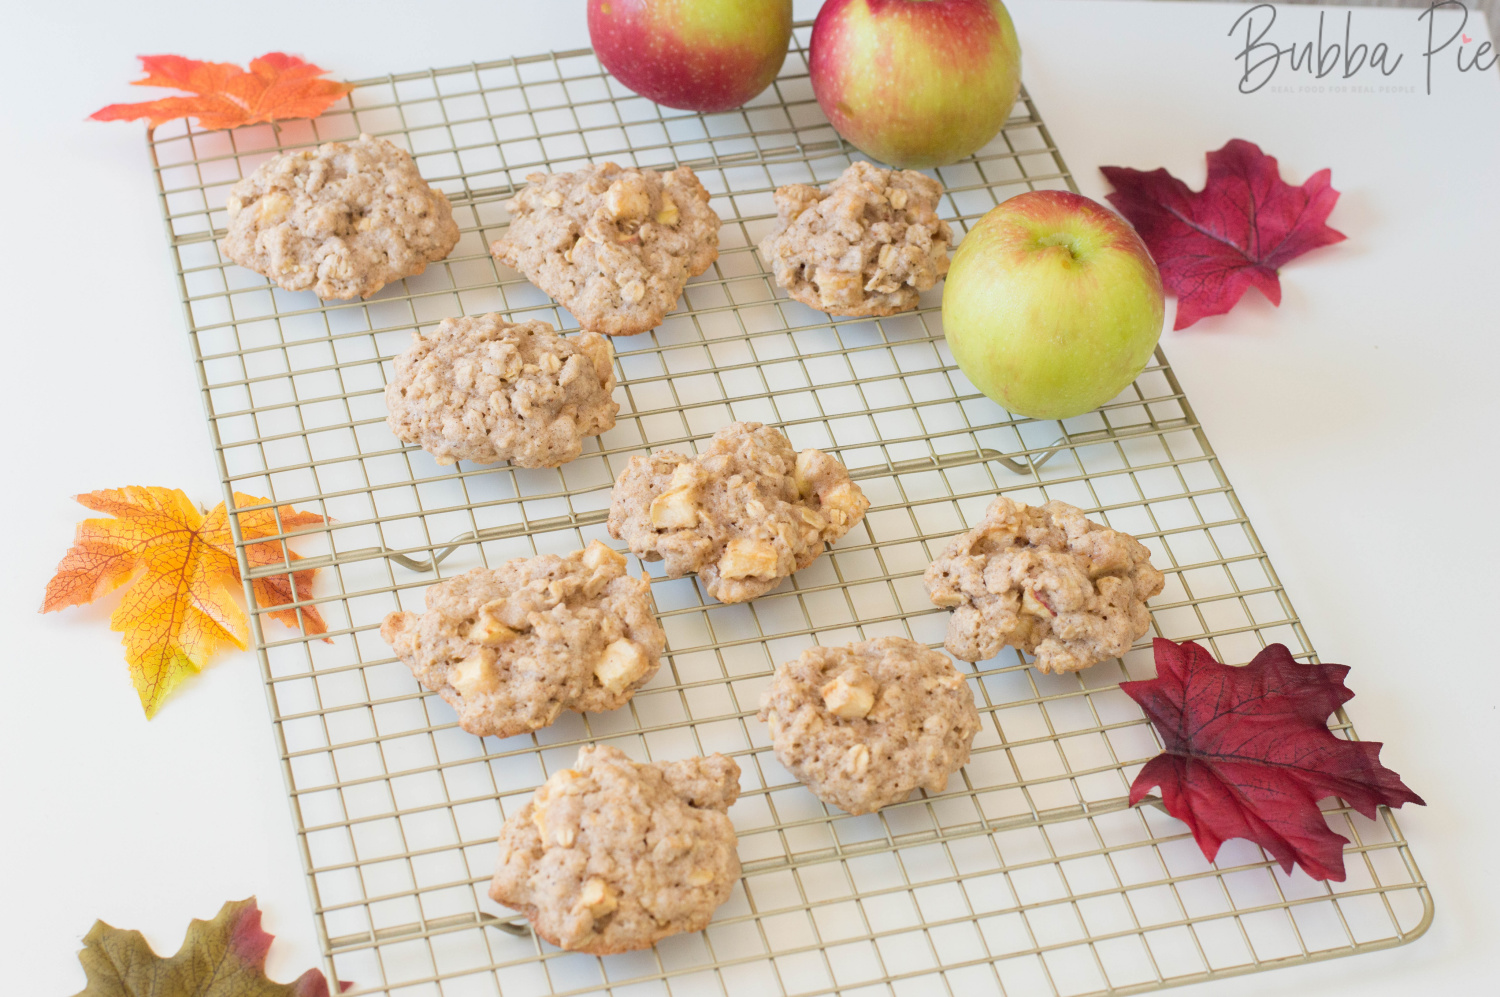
{"x": 1030, "y": 875}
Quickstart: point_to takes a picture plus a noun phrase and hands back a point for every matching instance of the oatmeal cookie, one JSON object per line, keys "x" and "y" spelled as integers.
{"x": 614, "y": 245}
{"x": 481, "y": 389}
{"x": 611, "y": 855}
{"x": 868, "y": 244}
{"x": 745, "y": 513}
{"x": 511, "y": 648}
{"x": 1047, "y": 581}
{"x": 863, "y": 725}
{"x": 344, "y": 219}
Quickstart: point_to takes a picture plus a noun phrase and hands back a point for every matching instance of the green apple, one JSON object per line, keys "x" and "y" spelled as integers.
{"x": 915, "y": 82}
{"x": 1053, "y": 304}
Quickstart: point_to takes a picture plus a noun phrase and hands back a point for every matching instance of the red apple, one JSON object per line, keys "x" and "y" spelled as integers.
{"x": 916, "y": 82}
{"x": 1053, "y": 304}
{"x": 697, "y": 55}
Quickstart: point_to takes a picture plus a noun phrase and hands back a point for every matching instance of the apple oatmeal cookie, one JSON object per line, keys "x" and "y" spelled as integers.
{"x": 344, "y": 219}
{"x": 867, "y": 244}
{"x": 864, "y": 725}
{"x": 511, "y": 648}
{"x": 614, "y": 245}
{"x": 612, "y": 855}
{"x": 482, "y": 389}
{"x": 744, "y": 514}
{"x": 1046, "y": 580}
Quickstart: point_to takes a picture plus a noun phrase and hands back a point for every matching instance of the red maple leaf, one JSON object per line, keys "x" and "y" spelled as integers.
{"x": 1233, "y": 234}
{"x": 1249, "y": 754}
{"x": 278, "y": 86}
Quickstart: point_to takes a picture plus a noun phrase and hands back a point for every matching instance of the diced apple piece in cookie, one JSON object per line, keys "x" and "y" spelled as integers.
{"x": 623, "y": 662}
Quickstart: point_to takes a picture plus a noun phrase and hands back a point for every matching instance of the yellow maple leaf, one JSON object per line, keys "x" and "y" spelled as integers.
{"x": 180, "y": 607}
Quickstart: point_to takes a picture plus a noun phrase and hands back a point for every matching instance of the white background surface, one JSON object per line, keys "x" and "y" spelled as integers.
{"x": 1358, "y": 422}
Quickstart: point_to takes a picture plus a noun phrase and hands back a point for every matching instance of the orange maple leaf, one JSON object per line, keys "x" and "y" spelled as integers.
{"x": 181, "y": 607}
{"x": 225, "y": 96}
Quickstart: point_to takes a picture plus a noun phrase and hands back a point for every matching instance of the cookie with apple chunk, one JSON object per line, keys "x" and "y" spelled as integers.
{"x": 613, "y": 855}
{"x": 482, "y": 389}
{"x": 745, "y": 513}
{"x": 865, "y": 724}
{"x": 867, "y": 244}
{"x": 1046, "y": 580}
{"x": 342, "y": 220}
{"x": 510, "y": 648}
{"x": 614, "y": 245}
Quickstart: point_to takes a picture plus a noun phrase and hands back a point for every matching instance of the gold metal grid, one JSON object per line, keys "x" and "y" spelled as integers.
{"x": 1030, "y": 875}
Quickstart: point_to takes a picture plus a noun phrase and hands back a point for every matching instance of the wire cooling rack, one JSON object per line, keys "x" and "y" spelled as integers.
{"x": 1031, "y": 875}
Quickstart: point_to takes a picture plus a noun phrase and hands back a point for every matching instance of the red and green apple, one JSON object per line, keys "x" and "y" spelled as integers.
{"x": 695, "y": 55}
{"x": 915, "y": 83}
{"x": 1053, "y": 304}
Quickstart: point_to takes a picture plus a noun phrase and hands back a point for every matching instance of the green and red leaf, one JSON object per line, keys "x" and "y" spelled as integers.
{"x": 225, "y": 957}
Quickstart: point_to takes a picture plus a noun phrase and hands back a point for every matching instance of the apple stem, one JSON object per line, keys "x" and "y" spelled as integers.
{"x": 1063, "y": 239}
